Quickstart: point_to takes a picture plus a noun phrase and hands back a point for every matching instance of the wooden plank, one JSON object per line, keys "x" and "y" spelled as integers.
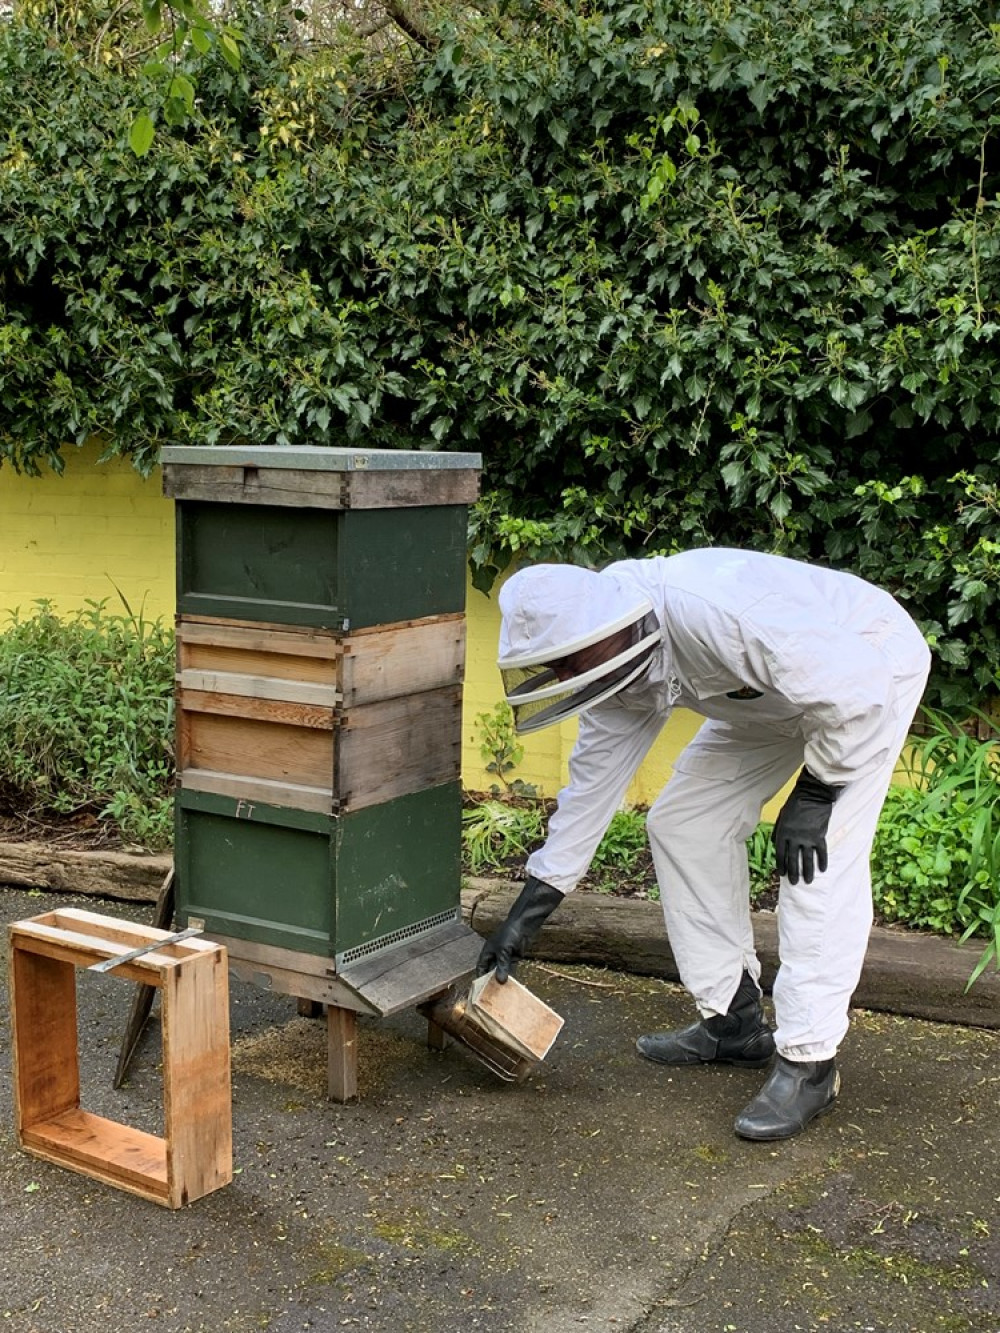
{"x": 403, "y": 660}
{"x": 267, "y": 486}
{"x": 196, "y": 1078}
{"x": 250, "y": 636}
{"x": 43, "y": 1014}
{"x": 290, "y": 488}
{"x": 83, "y": 950}
{"x": 107, "y": 1151}
{"x": 106, "y": 935}
{"x": 265, "y": 707}
{"x": 305, "y": 988}
{"x": 401, "y": 490}
{"x": 414, "y": 971}
{"x": 256, "y": 749}
{"x": 379, "y": 662}
{"x": 397, "y": 747}
{"x": 378, "y": 752}
{"x": 268, "y": 956}
{"x": 62, "y": 947}
{"x": 342, "y": 1054}
{"x": 194, "y": 682}
{"x": 290, "y": 795}
{"x": 255, "y": 661}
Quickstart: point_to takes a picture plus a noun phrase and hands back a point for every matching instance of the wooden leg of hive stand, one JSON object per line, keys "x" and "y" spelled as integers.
{"x": 437, "y": 1038}
{"x": 342, "y": 1053}
{"x": 143, "y": 995}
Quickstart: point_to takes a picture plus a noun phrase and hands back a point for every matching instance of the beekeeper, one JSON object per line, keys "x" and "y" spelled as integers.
{"x": 797, "y": 669}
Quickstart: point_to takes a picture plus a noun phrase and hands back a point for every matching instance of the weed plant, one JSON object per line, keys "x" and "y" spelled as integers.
{"x": 620, "y": 853}
{"x": 86, "y": 719}
{"x": 496, "y": 834}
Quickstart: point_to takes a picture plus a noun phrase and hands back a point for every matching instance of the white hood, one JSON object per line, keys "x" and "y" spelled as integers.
{"x": 551, "y": 610}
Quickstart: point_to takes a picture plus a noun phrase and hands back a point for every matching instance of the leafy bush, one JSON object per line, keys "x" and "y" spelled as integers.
{"x": 920, "y": 861}
{"x": 501, "y": 751}
{"x": 621, "y": 853}
{"x": 762, "y": 861}
{"x": 714, "y": 271}
{"x": 86, "y": 719}
{"x": 936, "y": 860}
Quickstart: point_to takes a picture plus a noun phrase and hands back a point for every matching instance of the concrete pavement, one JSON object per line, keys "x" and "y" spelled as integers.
{"x": 604, "y": 1193}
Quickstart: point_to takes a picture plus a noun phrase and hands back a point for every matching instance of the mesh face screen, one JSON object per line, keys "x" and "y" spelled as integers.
{"x": 539, "y": 699}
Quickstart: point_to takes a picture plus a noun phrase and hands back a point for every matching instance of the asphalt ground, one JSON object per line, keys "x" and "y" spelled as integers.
{"x": 604, "y": 1193}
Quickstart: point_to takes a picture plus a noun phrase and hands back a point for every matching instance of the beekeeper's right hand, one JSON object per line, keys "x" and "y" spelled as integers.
{"x": 509, "y": 942}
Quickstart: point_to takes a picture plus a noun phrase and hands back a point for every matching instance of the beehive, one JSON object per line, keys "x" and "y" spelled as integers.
{"x": 321, "y": 644}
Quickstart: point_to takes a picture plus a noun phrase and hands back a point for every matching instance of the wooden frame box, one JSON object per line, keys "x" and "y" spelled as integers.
{"x": 194, "y": 1157}
{"x": 340, "y": 538}
{"x": 315, "y": 720}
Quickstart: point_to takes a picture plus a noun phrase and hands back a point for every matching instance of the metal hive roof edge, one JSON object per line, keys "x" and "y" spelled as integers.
{"x": 318, "y": 458}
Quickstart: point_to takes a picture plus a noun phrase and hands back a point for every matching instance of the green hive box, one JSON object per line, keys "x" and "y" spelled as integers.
{"x": 340, "y": 886}
{"x": 284, "y": 838}
{"x": 326, "y": 537}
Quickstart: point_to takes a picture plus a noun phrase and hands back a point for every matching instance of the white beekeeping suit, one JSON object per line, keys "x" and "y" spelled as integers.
{"x": 791, "y": 664}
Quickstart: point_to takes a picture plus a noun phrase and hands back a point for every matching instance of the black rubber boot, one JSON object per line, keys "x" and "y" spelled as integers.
{"x": 796, "y": 1093}
{"x": 739, "y": 1037}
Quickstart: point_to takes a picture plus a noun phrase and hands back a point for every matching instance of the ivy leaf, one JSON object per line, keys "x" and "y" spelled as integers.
{"x": 141, "y": 134}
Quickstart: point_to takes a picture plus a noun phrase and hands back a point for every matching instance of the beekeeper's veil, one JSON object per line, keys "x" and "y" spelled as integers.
{"x": 551, "y": 614}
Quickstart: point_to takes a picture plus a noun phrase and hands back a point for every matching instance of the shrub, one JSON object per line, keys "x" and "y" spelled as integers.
{"x": 713, "y": 271}
{"x": 937, "y": 853}
{"x": 86, "y": 719}
{"x": 496, "y": 833}
{"x": 621, "y": 853}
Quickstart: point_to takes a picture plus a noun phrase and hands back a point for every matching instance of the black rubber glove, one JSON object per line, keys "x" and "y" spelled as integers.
{"x": 507, "y": 945}
{"x": 800, "y": 829}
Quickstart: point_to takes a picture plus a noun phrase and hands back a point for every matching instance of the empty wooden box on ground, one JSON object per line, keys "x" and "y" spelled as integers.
{"x": 321, "y": 649}
{"x": 194, "y": 1156}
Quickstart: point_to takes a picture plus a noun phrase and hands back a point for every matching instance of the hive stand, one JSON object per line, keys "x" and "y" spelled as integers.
{"x": 194, "y": 1157}
{"x": 380, "y": 986}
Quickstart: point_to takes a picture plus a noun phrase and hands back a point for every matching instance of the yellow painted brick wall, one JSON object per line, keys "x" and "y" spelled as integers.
{"x": 72, "y": 538}
{"x": 75, "y": 537}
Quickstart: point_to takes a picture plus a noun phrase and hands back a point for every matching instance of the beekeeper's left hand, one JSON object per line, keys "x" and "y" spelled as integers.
{"x": 800, "y": 829}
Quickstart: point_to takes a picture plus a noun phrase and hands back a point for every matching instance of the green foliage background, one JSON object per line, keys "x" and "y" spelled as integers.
{"x": 87, "y": 721}
{"x": 706, "y": 271}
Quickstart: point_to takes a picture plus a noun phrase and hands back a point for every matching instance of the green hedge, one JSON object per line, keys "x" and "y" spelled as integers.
{"x": 711, "y": 271}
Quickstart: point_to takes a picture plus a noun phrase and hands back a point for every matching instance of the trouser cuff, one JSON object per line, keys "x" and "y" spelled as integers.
{"x": 813, "y": 1050}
